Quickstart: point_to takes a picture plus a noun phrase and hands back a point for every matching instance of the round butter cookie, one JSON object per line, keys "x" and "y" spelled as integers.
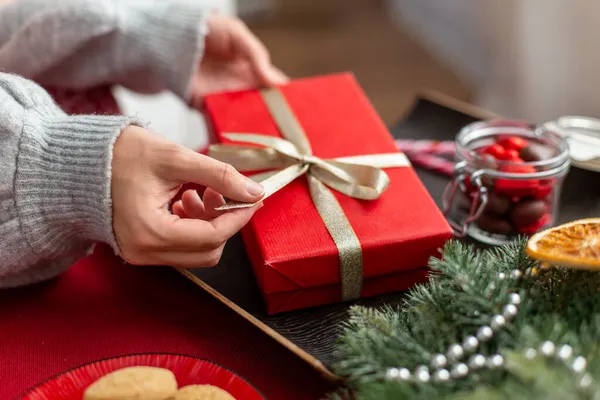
{"x": 202, "y": 392}
{"x": 134, "y": 383}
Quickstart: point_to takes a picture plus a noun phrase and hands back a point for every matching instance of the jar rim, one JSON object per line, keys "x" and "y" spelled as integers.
{"x": 489, "y": 128}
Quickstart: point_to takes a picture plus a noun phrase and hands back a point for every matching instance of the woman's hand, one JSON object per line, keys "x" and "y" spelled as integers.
{"x": 147, "y": 172}
{"x": 234, "y": 59}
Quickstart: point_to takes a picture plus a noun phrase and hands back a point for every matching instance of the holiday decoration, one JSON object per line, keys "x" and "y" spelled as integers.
{"x": 341, "y": 201}
{"x": 488, "y": 325}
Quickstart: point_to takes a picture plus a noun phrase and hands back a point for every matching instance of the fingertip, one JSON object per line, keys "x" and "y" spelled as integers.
{"x": 279, "y": 76}
{"x": 271, "y": 78}
{"x": 191, "y": 196}
{"x": 274, "y": 76}
{"x": 212, "y": 201}
{"x": 233, "y": 221}
{"x": 254, "y": 189}
{"x": 192, "y": 204}
{"x": 177, "y": 209}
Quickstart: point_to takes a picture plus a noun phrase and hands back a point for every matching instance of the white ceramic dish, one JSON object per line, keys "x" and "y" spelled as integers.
{"x": 583, "y": 136}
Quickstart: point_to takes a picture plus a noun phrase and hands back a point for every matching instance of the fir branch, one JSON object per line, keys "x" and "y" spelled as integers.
{"x": 465, "y": 292}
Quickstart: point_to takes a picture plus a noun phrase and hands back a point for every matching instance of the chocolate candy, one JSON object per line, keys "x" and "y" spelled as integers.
{"x": 497, "y": 205}
{"x": 536, "y": 226}
{"x": 486, "y": 161}
{"x": 527, "y": 212}
{"x": 494, "y": 224}
{"x": 530, "y": 154}
{"x": 464, "y": 202}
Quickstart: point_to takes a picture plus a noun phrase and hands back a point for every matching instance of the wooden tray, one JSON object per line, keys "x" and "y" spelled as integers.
{"x": 311, "y": 334}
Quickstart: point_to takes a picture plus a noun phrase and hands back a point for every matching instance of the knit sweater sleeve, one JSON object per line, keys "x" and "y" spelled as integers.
{"x": 55, "y": 175}
{"x": 55, "y": 169}
{"x": 145, "y": 45}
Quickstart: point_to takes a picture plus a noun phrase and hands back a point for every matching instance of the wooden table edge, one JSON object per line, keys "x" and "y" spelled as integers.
{"x": 316, "y": 364}
{"x": 455, "y": 104}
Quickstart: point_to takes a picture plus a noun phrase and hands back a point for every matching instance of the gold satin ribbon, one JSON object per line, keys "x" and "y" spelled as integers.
{"x": 359, "y": 177}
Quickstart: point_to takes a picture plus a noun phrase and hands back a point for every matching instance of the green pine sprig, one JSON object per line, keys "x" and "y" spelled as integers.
{"x": 465, "y": 292}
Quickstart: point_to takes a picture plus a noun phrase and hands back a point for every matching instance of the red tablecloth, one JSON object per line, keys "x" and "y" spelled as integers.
{"x": 102, "y": 308}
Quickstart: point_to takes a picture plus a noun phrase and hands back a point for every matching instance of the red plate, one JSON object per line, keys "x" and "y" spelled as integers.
{"x": 188, "y": 371}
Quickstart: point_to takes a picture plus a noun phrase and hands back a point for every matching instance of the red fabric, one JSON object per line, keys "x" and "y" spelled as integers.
{"x": 101, "y": 308}
{"x": 287, "y": 241}
{"x": 94, "y": 101}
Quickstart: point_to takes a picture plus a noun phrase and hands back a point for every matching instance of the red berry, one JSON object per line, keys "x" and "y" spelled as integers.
{"x": 543, "y": 190}
{"x": 513, "y": 143}
{"x": 512, "y": 155}
{"x": 509, "y": 187}
{"x": 518, "y": 169}
{"x": 496, "y": 151}
{"x": 515, "y": 187}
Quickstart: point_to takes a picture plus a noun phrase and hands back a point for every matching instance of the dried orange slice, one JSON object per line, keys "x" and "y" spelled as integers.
{"x": 575, "y": 244}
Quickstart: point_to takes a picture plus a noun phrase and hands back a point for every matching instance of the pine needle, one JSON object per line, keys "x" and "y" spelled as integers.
{"x": 557, "y": 304}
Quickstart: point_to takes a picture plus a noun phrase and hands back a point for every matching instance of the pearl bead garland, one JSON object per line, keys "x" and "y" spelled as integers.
{"x": 547, "y": 348}
{"x": 498, "y": 321}
{"x": 579, "y": 365}
{"x": 510, "y": 311}
{"x": 470, "y": 344}
{"x": 441, "y": 375}
{"x": 459, "y": 370}
{"x": 455, "y": 352}
{"x": 485, "y": 333}
{"x": 564, "y": 354}
{"x": 514, "y": 299}
{"x": 439, "y": 361}
{"x": 495, "y": 361}
{"x": 477, "y": 361}
{"x": 423, "y": 376}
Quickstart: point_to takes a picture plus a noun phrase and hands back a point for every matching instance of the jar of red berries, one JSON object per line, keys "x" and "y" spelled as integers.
{"x": 507, "y": 180}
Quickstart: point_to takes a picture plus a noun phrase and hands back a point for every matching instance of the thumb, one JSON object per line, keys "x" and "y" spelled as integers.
{"x": 190, "y": 166}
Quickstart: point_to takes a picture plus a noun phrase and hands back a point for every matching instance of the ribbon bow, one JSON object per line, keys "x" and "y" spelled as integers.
{"x": 359, "y": 177}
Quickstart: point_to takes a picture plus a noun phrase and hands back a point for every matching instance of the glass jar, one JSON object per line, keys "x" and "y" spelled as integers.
{"x": 507, "y": 180}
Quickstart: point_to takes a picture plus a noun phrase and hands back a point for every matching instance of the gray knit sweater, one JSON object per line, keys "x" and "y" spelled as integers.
{"x": 55, "y": 169}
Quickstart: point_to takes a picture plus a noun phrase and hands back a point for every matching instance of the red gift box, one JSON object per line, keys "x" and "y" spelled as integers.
{"x": 295, "y": 260}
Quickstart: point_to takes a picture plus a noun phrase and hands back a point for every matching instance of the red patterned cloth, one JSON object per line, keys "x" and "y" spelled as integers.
{"x": 102, "y": 308}
{"x": 95, "y": 101}
{"x": 430, "y": 154}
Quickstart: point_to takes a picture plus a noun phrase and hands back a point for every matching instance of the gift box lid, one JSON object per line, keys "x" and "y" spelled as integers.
{"x": 292, "y": 248}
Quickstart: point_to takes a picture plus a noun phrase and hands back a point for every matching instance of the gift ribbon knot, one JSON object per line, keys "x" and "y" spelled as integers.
{"x": 360, "y": 177}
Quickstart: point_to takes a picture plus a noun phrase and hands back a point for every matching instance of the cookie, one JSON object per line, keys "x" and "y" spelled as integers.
{"x": 202, "y": 392}
{"x": 134, "y": 383}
